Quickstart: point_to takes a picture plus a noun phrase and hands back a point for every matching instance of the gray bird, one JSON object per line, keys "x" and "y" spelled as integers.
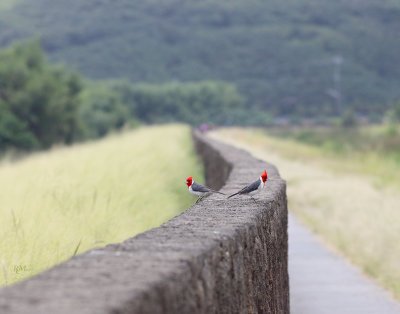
{"x": 254, "y": 187}
{"x": 198, "y": 189}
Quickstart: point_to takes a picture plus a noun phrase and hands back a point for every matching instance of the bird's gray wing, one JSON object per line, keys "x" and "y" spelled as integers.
{"x": 200, "y": 188}
{"x": 251, "y": 187}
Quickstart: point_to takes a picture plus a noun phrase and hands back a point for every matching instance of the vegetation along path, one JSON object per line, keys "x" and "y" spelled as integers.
{"x": 349, "y": 213}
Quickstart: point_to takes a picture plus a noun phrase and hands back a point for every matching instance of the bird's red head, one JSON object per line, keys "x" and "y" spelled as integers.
{"x": 264, "y": 176}
{"x": 189, "y": 181}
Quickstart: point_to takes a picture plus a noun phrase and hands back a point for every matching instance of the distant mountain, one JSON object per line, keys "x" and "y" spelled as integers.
{"x": 293, "y": 56}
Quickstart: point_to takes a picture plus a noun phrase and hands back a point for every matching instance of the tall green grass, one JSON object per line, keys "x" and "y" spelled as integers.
{"x": 337, "y": 195}
{"x": 60, "y": 203}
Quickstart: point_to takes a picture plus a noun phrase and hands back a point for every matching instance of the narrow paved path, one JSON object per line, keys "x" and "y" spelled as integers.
{"x": 323, "y": 283}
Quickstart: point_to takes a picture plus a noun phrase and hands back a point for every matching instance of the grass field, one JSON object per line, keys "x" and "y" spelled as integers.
{"x": 66, "y": 201}
{"x": 354, "y": 208}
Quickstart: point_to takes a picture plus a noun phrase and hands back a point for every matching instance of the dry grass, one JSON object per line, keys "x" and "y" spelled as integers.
{"x": 68, "y": 200}
{"x": 335, "y": 199}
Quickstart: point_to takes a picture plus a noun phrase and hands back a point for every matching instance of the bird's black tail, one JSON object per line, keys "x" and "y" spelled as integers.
{"x": 233, "y": 194}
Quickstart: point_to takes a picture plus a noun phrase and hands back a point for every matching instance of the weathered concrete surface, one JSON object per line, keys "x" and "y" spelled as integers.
{"x": 220, "y": 256}
{"x": 323, "y": 283}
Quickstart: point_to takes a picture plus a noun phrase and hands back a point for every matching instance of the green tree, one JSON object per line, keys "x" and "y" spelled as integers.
{"x": 102, "y": 111}
{"x": 14, "y": 132}
{"x": 395, "y": 112}
{"x": 41, "y": 98}
{"x": 348, "y": 119}
{"x": 193, "y": 103}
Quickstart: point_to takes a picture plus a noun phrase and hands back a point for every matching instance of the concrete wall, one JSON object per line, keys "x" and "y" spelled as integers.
{"x": 220, "y": 256}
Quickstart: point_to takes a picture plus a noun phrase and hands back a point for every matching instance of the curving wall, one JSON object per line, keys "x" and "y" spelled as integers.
{"x": 219, "y": 256}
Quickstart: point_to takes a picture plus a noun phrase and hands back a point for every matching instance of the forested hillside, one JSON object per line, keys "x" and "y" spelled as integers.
{"x": 43, "y": 104}
{"x": 293, "y": 57}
